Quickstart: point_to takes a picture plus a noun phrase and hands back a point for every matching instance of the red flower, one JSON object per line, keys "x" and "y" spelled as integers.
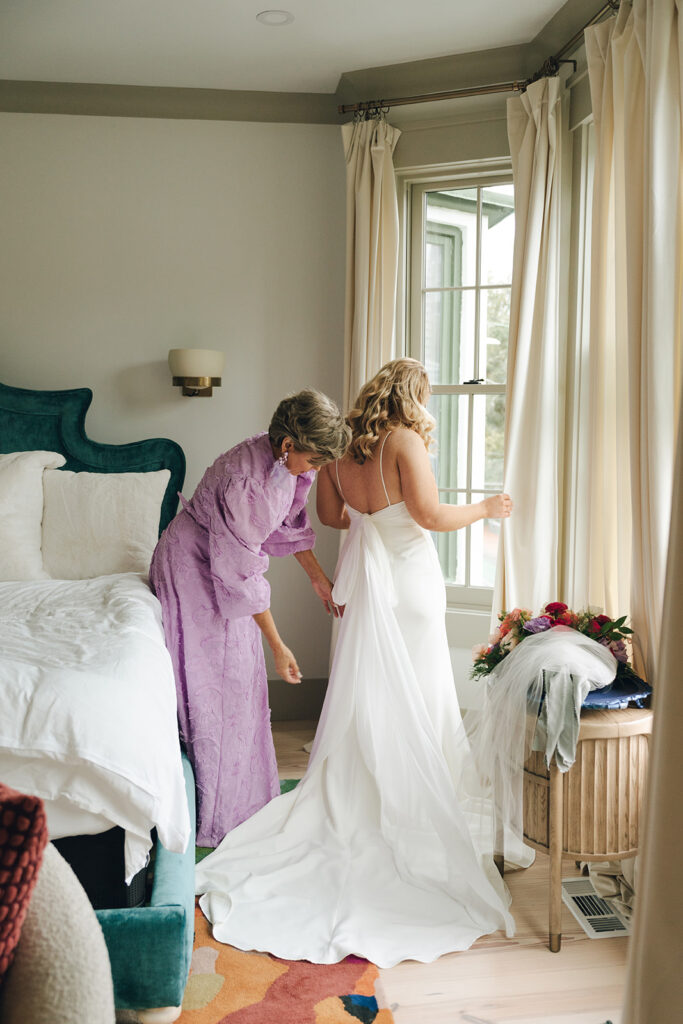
{"x": 594, "y": 626}
{"x": 602, "y": 619}
{"x": 565, "y": 619}
{"x": 556, "y": 608}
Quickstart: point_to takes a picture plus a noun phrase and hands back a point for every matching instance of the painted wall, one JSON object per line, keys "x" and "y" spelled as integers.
{"x": 124, "y": 237}
{"x": 452, "y": 132}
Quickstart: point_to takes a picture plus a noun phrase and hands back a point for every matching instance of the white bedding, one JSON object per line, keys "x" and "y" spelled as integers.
{"x": 88, "y": 706}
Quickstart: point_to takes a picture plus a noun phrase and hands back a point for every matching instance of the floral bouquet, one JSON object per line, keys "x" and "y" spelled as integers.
{"x": 520, "y": 623}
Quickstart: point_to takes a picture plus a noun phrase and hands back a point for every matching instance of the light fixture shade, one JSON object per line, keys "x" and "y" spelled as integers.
{"x": 196, "y": 370}
{"x": 196, "y": 362}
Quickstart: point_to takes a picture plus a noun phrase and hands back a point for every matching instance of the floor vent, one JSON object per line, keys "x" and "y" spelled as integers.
{"x": 597, "y": 916}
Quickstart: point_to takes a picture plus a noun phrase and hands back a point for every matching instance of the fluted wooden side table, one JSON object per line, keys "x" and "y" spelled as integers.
{"x": 593, "y": 811}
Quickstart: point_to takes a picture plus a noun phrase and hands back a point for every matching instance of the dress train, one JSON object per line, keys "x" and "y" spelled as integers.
{"x": 374, "y": 852}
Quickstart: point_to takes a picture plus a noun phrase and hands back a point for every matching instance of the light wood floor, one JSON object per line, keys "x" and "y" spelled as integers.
{"x": 499, "y": 980}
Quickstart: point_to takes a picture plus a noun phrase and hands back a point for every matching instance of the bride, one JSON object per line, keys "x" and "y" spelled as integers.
{"x": 375, "y": 852}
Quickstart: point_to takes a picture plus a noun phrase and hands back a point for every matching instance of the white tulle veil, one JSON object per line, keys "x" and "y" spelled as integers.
{"x": 560, "y": 665}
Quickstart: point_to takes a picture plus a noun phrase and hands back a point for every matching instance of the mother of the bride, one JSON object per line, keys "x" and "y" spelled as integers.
{"x": 208, "y": 573}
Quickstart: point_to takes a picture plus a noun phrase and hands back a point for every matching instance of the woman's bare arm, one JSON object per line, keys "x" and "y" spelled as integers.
{"x": 320, "y": 582}
{"x": 422, "y": 497}
{"x": 285, "y": 662}
{"x": 329, "y": 505}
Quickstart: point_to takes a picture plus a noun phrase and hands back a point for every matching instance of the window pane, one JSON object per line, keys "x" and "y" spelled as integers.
{"x": 495, "y": 437}
{"x": 451, "y": 547}
{"x": 453, "y": 215}
{"x": 449, "y": 454}
{"x": 443, "y": 255}
{"x": 488, "y": 429}
{"x": 468, "y": 242}
{"x": 449, "y": 336}
{"x": 497, "y": 234}
{"x": 495, "y": 328}
{"x": 484, "y": 536}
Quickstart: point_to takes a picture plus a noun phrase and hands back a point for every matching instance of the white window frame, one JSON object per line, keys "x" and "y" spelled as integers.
{"x": 412, "y": 191}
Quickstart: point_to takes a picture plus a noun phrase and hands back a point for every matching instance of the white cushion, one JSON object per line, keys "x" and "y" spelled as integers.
{"x": 61, "y": 971}
{"x": 95, "y": 524}
{"x": 21, "y": 512}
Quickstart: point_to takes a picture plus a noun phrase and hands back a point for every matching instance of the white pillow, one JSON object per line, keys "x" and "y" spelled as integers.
{"x": 95, "y": 524}
{"x": 21, "y": 513}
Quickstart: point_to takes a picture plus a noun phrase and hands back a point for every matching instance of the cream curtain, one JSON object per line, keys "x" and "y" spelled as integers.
{"x": 636, "y": 75}
{"x": 371, "y": 250}
{"x": 654, "y": 986}
{"x": 527, "y": 572}
{"x": 598, "y": 571}
{"x": 636, "y": 285}
{"x": 372, "y": 240}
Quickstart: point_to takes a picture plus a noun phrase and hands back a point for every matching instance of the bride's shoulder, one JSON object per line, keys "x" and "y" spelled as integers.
{"x": 404, "y": 439}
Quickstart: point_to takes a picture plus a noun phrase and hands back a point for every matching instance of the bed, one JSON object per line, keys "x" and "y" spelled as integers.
{"x": 86, "y": 684}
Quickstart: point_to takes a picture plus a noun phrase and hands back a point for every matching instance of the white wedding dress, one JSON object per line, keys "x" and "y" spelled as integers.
{"x": 373, "y": 853}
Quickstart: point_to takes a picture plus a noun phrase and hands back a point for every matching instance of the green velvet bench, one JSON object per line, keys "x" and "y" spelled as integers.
{"x": 150, "y": 947}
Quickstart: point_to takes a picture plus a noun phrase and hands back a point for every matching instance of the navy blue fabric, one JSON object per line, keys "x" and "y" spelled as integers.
{"x": 619, "y": 694}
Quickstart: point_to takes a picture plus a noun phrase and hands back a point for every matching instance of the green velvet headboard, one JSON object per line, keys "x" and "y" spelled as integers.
{"x": 54, "y": 421}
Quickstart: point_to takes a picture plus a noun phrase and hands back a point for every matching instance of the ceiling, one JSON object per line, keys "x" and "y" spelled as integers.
{"x": 219, "y": 44}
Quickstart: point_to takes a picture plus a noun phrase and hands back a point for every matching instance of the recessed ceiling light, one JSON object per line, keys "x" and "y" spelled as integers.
{"x": 275, "y": 17}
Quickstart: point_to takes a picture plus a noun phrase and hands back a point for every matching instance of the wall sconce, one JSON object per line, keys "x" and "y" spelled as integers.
{"x": 196, "y": 370}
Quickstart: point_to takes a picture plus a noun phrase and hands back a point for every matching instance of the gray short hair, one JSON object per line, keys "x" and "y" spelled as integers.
{"x": 314, "y": 423}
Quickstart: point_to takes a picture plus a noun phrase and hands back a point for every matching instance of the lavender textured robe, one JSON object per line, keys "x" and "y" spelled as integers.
{"x": 208, "y": 572}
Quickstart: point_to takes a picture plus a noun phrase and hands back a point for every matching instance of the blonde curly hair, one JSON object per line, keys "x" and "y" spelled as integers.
{"x": 395, "y": 396}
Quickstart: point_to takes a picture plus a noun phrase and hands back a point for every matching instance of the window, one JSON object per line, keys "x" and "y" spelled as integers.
{"x": 462, "y": 238}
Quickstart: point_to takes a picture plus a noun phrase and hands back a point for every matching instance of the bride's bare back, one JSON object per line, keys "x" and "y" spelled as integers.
{"x": 374, "y": 484}
{"x": 399, "y": 470}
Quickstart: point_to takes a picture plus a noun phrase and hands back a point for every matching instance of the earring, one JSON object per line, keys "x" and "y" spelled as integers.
{"x": 283, "y": 458}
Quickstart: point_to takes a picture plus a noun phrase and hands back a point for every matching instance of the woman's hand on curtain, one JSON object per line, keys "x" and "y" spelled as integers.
{"x": 498, "y": 506}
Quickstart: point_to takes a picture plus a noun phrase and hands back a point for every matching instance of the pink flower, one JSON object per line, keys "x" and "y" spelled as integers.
{"x": 478, "y": 651}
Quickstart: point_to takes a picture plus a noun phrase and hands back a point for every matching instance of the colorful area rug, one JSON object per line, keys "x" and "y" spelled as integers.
{"x": 228, "y": 986}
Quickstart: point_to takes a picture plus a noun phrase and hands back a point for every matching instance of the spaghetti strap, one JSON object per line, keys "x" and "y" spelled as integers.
{"x": 381, "y": 452}
{"x": 336, "y": 466}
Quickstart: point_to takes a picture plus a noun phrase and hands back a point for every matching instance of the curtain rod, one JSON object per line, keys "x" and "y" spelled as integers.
{"x": 550, "y": 67}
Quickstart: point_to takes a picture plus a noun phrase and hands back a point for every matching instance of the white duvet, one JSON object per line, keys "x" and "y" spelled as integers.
{"x": 88, "y": 706}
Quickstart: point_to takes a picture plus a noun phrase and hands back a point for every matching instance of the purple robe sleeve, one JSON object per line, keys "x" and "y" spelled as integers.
{"x": 295, "y": 533}
{"x": 239, "y": 525}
